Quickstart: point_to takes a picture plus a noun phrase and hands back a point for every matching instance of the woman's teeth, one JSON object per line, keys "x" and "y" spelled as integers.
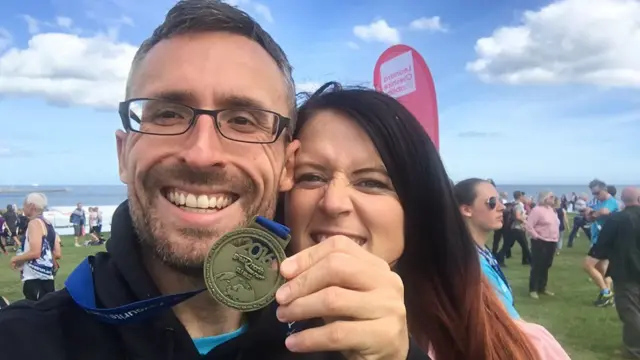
{"x": 199, "y": 203}
{"x": 322, "y": 237}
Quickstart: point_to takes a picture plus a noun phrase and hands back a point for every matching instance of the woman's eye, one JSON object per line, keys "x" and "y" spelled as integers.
{"x": 375, "y": 184}
{"x": 309, "y": 178}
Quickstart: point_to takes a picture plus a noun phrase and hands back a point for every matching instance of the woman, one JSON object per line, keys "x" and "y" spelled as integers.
{"x": 543, "y": 226}
{"x": 368, "y": 170}
{"x": 564, "y": 222}
{"x": 482, "y": 210}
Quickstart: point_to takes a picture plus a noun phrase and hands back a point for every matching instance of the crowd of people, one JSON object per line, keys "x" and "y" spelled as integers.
{"x": 386, "y": 260}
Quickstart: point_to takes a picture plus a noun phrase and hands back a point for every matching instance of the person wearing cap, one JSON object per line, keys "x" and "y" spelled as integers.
{"x": 41, "y": 248}
{"x": 205, "y": 150}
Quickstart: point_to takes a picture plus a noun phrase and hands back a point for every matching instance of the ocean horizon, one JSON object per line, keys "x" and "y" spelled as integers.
{"x": 109, "y": 195}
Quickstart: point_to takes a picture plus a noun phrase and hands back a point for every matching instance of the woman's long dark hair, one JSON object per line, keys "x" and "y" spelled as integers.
{"x": 450, "y": 306}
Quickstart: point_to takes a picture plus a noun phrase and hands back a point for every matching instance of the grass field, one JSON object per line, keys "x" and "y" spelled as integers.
{"x": 586, "y": 332}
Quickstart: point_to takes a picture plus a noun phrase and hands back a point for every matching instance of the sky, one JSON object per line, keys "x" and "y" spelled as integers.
{"x": 528, "y": 91}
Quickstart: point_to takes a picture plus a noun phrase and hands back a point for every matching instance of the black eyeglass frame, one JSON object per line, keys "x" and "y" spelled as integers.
{"x": 124, "y": 106}
{"x": 492, "y": 202}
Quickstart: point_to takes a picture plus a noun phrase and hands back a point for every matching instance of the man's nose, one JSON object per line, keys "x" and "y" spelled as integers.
{"x": 203, "y": 145}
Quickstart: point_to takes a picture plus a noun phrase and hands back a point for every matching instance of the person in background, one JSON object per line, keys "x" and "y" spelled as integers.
{"x": 542, "y": 224}
{"x": 11, "y": 219}
{"x": 619, "y": 242}
{"x": 78, "y": 219}
{"x": 23, "y": 223}
{"x": 516, "y": 233}
{"x": 603, "y": 207}
{"x": 483, "y": 213}
{"x": 564, "y": 222}
{"x": 580, "y": 220}
{"x": 4, "y": 235}
{"x": 40, "y": 252}
{"x": 564, "y": 203}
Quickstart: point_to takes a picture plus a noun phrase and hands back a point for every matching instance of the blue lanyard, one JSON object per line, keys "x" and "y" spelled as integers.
{"x": 491, "y": 260}
{"x": 80, "y": 286}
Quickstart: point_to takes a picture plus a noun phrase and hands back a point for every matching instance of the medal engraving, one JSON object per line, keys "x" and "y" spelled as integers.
{"x": 242, "y": 269}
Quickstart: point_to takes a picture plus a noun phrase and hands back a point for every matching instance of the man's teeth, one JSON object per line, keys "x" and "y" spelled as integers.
{"x": 204, "y": 202}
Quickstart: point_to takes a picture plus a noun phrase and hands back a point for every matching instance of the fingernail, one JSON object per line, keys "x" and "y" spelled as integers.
{"x": 288, "y": 266}
{"x": 279, "y": 315}
{"x": 283, "y": 294}
{"x": 291, "y": 342}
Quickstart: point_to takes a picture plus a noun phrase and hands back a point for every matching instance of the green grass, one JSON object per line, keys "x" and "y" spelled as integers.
{"x": 586, "y": 332}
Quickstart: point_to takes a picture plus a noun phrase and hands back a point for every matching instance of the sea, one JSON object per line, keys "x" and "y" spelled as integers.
{"x": 111, "y": 195}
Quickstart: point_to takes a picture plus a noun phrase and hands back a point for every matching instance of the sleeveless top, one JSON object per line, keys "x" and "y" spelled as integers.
{"x": 560, "y": 213}
{"x": 42, "y": 267}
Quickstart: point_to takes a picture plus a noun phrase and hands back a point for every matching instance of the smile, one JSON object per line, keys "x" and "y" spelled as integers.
{"x": 203, "y": 203}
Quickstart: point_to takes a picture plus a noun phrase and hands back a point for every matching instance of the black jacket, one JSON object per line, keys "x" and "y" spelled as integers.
{"x": 55, "y": 328}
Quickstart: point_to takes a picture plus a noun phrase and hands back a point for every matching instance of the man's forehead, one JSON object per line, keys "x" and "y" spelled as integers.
{"x": 205, "y": 69}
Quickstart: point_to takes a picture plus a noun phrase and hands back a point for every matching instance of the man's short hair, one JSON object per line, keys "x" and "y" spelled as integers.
{"x": 517, "y": 194}
{"x": 612, "y": 190}
{"x": 194, "y": 16}
{"x": 597, "y": 184}
{"x": 39, "y": 200}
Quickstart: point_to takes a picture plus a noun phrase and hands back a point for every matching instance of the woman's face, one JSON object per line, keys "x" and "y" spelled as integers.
{"x": 342, "y": 188}
{"x": 486, "y": 211}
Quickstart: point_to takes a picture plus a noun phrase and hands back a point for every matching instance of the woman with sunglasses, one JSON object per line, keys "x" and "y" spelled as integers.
{"x": 482, "y": 210}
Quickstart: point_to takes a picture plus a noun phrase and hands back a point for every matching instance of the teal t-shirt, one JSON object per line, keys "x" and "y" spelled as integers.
{"x": 206, "y": 344}
{"x": 612, "y": 204}
{"x": 501, "y": 288}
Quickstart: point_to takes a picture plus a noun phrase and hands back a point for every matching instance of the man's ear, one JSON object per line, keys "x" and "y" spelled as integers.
{"x": 286, "y": 178}
{"x": 121, "y": 146}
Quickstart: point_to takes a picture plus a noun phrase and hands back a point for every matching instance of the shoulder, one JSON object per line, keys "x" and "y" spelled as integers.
{"x": 26, "y": 323}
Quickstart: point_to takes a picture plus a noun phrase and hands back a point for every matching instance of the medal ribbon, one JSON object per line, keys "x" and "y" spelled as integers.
{"x": 80, "y": 286}
{"x": 491, "y": 260}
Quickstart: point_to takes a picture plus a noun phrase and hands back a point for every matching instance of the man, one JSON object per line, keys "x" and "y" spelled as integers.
{"x": 78, "y": 219}
{"x": 604, "y": 205}
{"x": 192, "y": 176}
{"x": 580, "y": 221}
{"x": 37, "y": 261}
{"x": 516, "y": 233}
{"x": 11, "y": 219}
{"x": 619, "y": 242}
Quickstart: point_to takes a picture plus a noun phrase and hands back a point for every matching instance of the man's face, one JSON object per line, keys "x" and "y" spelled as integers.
{"x": 599, "y": 193}
{"x": 79, "y": 206}
{"x": 170, "y": 178}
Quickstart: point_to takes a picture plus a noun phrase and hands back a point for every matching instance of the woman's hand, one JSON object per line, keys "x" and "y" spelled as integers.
{"x": 360, "y": 299}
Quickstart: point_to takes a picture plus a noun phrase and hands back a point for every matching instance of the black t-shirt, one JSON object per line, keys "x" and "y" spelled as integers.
{"x": 12, "y": 220}
{"x": 619, "y": 241}
{"x": 23, "y": 223}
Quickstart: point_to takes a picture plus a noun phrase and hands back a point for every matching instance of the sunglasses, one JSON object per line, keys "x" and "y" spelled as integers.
{"x": 492, "y": 202}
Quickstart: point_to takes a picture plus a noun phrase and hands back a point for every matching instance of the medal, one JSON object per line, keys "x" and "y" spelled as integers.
{"x": 242, "y": 269}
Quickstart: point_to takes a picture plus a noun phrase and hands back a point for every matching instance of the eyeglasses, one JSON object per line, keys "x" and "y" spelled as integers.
{"x": 492, "y": 202}
{"x": 162, "y": 117}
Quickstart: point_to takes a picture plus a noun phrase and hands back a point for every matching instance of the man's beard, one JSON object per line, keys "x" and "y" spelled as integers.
{"x": 156, "y": 240}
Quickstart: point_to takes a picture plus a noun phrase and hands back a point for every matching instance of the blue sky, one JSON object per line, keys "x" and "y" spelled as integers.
{"x": 529, "y": 91}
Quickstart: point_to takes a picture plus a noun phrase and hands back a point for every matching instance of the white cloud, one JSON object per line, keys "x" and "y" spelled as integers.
{"x": 431, "y": 24}
{"x": 33, "y": 25}
{"x": 68, "y": 69}
{"x": 5, "y": 39}
{"x": 253, "y": 6}
{"x": 377, "y": 31}
{"x": 353, "y": 45}
{"x": 566, "y": 42}
{"x": 64, "y": 22}
{"x": 307, "y": 87}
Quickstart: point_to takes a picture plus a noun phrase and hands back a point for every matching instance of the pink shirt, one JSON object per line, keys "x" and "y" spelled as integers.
{"x": 543, "y": 223}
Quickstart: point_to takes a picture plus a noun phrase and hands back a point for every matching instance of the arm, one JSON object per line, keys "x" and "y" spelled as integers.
{"x": 531, "y": 222}
{"x": 57, "y": 249}
{"x": 34, "y": 233}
